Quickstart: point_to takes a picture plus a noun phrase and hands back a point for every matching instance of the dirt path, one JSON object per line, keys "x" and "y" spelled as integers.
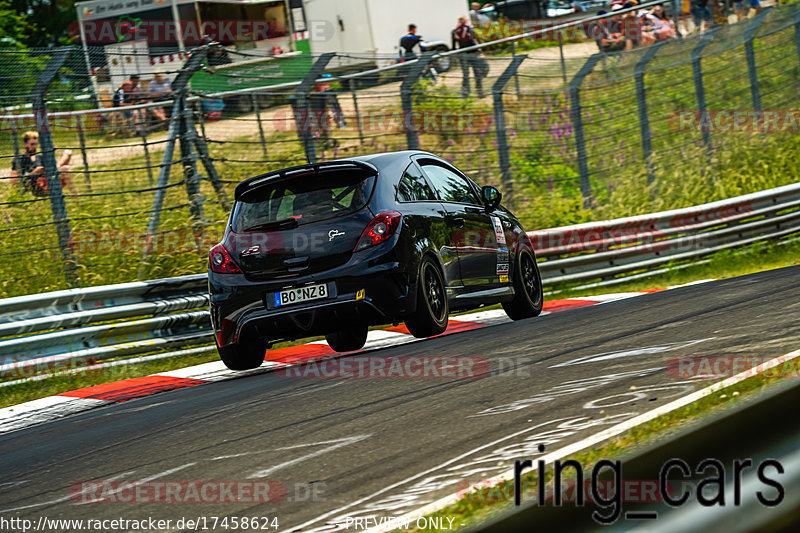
{"x": 543, "y": 63}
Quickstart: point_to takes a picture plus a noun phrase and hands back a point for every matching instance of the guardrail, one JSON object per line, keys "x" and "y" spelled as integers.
{"x": 41, "y": 331}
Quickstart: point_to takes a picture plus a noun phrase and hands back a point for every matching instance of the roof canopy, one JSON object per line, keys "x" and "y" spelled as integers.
{"x": 101, "y": 9}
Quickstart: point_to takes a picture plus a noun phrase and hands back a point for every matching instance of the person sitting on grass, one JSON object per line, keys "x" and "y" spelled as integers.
{"x": 124, "y": 96}
{"x": 159, "y": 89}
{"x": 662, "y": 27}
{"x": 28, "y": 168}
{"x": 607, "y": 33}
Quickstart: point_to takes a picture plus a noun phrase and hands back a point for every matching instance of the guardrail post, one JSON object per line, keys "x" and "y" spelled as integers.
{"x": 641, "y": 101}
{"x": 302, "y": 108}
{"x": 254, "y": 99}
{"x": 355, "y": 107}
{"x": 561, "y": 53}
{"x": 699, "y": 88}
{"x": 412, "y": 75}
{"x": 797, "y": 37}
{"x": 577, "y": 123}
{"x": 752, "y": 70}
{"x": 500, "y": 126}
{"x": 146, "y": 150}
{"x": 82, "y": 141}
{"x": 516, "y": 78}
{"x": 48, "y": 151}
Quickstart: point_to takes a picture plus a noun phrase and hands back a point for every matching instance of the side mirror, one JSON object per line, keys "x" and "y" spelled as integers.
{"x": 491, "y": 197}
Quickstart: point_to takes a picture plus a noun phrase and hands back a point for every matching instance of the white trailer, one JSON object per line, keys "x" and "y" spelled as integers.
{"x": 370, "y": 28}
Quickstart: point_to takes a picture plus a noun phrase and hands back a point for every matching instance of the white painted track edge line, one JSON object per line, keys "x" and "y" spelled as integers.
{"x": 593, "y": 439}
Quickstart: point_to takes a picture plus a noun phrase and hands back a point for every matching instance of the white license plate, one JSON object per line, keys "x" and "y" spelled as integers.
{"x": 301, "y": 294}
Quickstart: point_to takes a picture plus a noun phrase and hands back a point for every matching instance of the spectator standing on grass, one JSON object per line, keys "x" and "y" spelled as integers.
{"x": 478, "y": 19}
{"x": 463, "y": 36}
{"x": 701, "y": 14}
{"x": 742, "y": 8}
{"x": 27, "y": 168}
{"x": 409, "y": 41}
{"x": 325, "y": 111}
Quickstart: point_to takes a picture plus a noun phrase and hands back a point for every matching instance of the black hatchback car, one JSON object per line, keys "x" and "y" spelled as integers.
{"x": 333, "y": 248}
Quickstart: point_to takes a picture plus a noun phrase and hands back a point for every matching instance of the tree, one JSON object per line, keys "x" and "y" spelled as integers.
{"x": 18, "y": 67}
{"x": 13, "y": 26}
{"x": 47, "y": 22}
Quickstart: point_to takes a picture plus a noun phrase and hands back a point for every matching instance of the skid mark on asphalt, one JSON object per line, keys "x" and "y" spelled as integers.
{"x": 630, "y": 353}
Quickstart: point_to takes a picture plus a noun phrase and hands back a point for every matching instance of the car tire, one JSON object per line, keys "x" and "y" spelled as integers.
{"x": 244, "y": 355}
{"x": 431, "y": 315}
{"x": 442, "y": 64}
{"x": 528, "y": 297}
{"x": 244, "y": 104}
{"x": 348, "y": 340}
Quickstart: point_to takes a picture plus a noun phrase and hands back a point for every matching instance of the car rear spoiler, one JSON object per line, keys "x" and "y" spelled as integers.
{"x": 256, "y": 182}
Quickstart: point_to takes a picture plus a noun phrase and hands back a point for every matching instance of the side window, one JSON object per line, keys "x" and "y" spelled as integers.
{"x": 413, "y": 187}
{"x": 450, "y": 186}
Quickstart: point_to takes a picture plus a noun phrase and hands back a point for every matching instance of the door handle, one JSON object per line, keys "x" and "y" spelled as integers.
{"x": 459, "y": 222}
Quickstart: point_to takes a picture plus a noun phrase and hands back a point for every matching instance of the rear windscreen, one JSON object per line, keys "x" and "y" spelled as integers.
{"x": 308, "y": 198}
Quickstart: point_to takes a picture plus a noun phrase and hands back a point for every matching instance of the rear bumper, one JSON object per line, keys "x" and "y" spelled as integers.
{"x": 239, "y": 309}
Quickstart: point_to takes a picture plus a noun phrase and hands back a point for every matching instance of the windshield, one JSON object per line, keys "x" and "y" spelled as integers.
{"x": 306, "y": 199}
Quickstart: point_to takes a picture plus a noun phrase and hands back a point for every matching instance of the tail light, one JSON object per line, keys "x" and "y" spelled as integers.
{"x": 221, "y": 262}
{"x": 379, "y": 229}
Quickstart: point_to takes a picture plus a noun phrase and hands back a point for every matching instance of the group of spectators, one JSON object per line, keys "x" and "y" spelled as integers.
{"x": 130, "y": 93}
{"x": 631, "y": 29}
{"x": 463, "y": 36}
{"x": 641, "y": 28}
{"x": 27, "y": 168}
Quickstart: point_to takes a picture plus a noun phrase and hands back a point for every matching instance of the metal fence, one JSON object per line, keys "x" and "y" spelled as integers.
{"x": 567, "y": 139}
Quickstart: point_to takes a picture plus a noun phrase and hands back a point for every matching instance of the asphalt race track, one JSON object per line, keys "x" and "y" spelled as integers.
{"x": 382, "y": 447}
